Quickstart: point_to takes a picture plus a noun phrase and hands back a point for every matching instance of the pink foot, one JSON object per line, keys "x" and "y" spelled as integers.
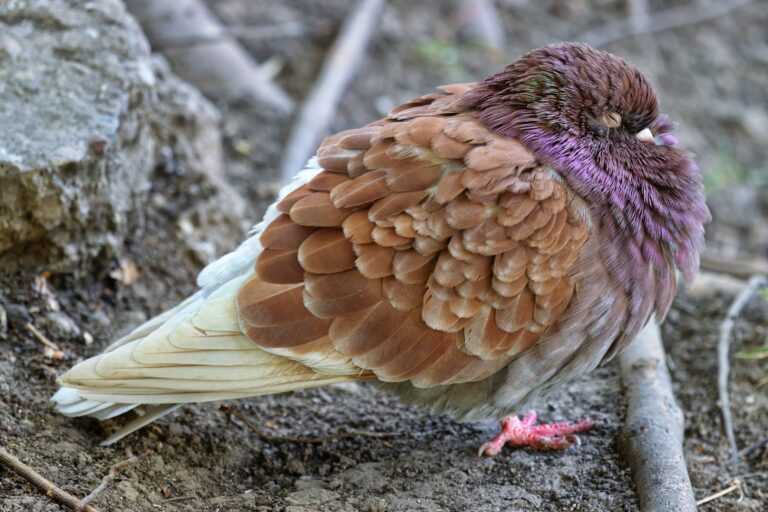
{"x": 552, "y": 436}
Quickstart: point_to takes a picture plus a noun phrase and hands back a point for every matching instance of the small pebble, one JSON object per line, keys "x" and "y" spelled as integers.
{"x": 59, "y": 325}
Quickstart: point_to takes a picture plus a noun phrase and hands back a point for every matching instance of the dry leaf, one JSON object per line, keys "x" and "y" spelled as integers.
{"x": 127, "y": 273}
{"x": 43, "y": 288}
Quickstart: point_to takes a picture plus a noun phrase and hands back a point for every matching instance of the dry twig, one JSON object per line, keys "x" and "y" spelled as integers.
{"x": 216, "y": 63}
{"x": 109, "y": 477}
{"x": 754, "y": 448}
{"x": 736, "y": 485}
{"x": 338, "y": 69}
{"x": 43, "y": 484}
{"x": 724, "y": 362}
{"x": 658, "y": 22}
{"x": 652, "y": 437}
{"x": 52, "y": 350}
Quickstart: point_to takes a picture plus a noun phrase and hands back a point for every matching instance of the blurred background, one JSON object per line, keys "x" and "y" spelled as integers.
{"x": 140, "y": 141}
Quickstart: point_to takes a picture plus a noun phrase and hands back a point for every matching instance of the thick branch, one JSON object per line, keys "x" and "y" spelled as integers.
{"x": 651, "y": 440}
{"x": 338, "y": 69}
{"x": 249, "y": 33}
{"x": 707, "y": 284}
{"x": 218, "y": 64}
{"x": 738, "y": 266}
{"x": 638, "y": 14}
{"x": 484, "y": 22}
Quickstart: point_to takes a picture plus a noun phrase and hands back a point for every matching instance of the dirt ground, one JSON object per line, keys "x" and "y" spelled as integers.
{"x": 353, "y": 447}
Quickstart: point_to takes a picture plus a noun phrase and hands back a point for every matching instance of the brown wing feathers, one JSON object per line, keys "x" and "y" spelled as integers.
{"x": 429, "y": 250}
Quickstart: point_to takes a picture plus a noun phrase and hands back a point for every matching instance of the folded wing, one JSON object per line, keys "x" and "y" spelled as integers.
{"x": 429, "y": 250}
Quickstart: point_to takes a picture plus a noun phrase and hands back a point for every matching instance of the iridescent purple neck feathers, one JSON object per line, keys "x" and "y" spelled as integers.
{"x": 580, "y": 110}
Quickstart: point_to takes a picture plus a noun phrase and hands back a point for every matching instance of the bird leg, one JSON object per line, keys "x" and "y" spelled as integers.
{"x": 551, "y": 436}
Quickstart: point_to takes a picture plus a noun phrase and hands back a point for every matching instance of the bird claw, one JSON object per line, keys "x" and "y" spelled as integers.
{"x": 487, "y": 450}
{"x": 546, "y": 437}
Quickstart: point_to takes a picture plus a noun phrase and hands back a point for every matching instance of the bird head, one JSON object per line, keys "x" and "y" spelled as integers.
{"x": 595, "y": 120}
{"x": 575, "y": 89}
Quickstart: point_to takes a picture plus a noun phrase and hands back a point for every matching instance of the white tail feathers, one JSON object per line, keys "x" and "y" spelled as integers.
{"x": 69, "y": 402}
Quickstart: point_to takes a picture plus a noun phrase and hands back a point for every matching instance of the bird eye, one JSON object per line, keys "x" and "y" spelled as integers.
{"x": 610, "y": 120}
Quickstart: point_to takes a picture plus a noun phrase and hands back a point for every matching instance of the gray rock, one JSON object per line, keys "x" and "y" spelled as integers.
{"x": 86, "y": 114}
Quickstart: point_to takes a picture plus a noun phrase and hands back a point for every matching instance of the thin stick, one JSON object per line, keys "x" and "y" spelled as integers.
{"x": 651, "y": 441}
{"x": 659, "y": 22}
{"x": 723, "y": 359}
{"x": 109, "y": 477}
{"x": 736, "y": 485}
{"x": 303, "y": 440}
{"x": 52, "y": 350}
{"x": 338, "y": 69}
{"x": 42, "y": 338}
{"x": 43, "y": 484}
{"x": 754, "y": 447}
{"x": 217, "y": 64}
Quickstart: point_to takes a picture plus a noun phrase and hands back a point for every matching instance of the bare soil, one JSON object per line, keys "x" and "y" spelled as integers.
{"x": 353, "y": 447}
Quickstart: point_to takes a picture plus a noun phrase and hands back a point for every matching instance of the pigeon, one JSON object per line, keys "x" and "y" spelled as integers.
{"x": 471, "y": 251}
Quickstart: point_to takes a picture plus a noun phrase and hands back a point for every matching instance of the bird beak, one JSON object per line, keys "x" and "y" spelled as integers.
{"x": 645, "y": 135}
